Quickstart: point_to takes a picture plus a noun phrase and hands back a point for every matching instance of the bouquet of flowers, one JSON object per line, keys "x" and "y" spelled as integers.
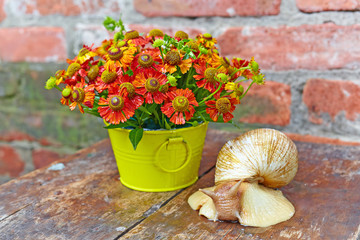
{"x": 154, "y": 81}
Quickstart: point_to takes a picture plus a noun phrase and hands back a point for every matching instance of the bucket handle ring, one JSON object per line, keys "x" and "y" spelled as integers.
{"x": 174, "y": 140}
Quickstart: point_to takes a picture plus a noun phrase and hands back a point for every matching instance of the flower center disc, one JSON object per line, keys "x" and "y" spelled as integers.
{"x": 108, "y": 77}
{"x": 145, "y": 60}
{"x": 129, "y": 87}
{"x": 93, "y": 72}
{"x": 82, "y": 52}
{"x": 210, "y": 75}
{"x": 193, "y": 45}
{"x": 73, "y": 68}
{"x": 181, "y": 35}
{"x": 152, "y": 85}
{"x": 223, "y": 105}
{"x": 116, "y": 103}
{"x": 180, "y": 103}
{"x": 156, "y": 33}
{"x": 173, "y": 58}
{"x": 115, "y": 53}
{"x": 131, "y": 34}
{"x": 78, "y": 95}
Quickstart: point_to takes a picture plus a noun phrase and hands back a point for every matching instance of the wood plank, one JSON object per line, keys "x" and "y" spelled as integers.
{"x": 83, "y": 200}
{"x": 325, "y": 193}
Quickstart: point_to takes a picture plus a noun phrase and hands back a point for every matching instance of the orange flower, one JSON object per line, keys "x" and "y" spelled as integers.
{"x": 135, "y": 38}
{"x": 206, "y": 40}
{"x": 85, "y": 54}
{"x": 128, "y": 89}
{"x": 182, "y": 101}
{"x": 108, "y": 80}
{"x": 149, "y": 85}
{"x": 223, "y": 106}
{"x": 81, "y": 95}
{"x": 206, "y": 77}
{"x": 173, "y": 58}
{"x": 116, "y": 109}
{"x": 119, "y": 57}
{"x": 147, "y": 60}
{"x": 75, "y": 73}
{"x": 103, "y": 49}
{"x": 66, "y": 95}
{"x": 239, "y": 63}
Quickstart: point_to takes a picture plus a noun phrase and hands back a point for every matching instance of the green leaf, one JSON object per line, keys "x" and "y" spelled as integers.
{"x": 135, "y": 136}
{"x": 152, "y": 107}
{"x": 129, "y": 72}
{"x": 109, "y": 24}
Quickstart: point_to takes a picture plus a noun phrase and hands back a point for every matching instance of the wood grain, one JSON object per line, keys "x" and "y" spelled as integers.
{"x": 85, "y": 200}
{"x": 325, "y": 193}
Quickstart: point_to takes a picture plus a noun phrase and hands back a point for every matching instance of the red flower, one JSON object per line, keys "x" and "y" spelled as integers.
{"x": 239, "y": 63}
{"x": 182, "y": 101}
{"x": 116, "y": 109}
{"x": 135, "y": 38}
{"x": 147, "y": 60}
{"x": 206, "y": 77}
{"x": 75, "y": 73}
{"x": 148, "y": 85}
{"x": 81, "y": 95}
{"x": 128, "y": 89}
{"x": 108, "y": 80}
{"x": 223, "y": 106}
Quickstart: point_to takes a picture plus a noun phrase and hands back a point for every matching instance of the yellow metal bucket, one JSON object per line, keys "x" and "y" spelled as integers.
{"x": 165, "y": 160}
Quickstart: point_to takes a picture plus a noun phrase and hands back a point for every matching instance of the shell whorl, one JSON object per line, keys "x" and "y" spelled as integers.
{"x": 262, "y": 153}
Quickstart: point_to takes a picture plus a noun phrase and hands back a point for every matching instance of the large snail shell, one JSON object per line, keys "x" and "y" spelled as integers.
{"x": 264, "y": 153}
{"x": 247, "y": 170}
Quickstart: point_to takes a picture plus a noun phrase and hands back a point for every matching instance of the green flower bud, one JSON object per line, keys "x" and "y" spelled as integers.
{"x": 158, "y": 42}
{"x": 259, "y": 79}
{"x": 203, "y": 50}
{"x": 222, "y": 77}
{"x": 172, "y": 80}
{"x": 120, "y": 44}
{"x": 50, "y": 83}
{"x": 207, "y": 36}
{"x": 66, "y": 92}
{"x": 254, "y": 66}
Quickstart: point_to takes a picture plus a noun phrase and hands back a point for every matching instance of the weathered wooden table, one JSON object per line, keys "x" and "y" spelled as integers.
{"x": 84, "y": 199}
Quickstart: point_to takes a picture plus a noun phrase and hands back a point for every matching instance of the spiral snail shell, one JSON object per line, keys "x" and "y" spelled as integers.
{"x": 248, "y": 168}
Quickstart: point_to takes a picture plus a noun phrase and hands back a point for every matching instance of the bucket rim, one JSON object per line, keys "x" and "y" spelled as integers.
{"x": 163, "y": 131}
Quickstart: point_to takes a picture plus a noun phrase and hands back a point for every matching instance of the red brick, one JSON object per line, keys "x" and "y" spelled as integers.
{"x": 33, "y": 44}
{"x": 169, "y": 31}
{"x": 332, "y": 97}
{"x": 65, "y": 7}
{"x": 10, "y": 161}
{"x": 321, "y": 140}
{"x": 327, "y": 5}
{"x": 43, "y": 157}
{"x": 201, "y": 8}
{"x": 267, "y": 104}
{"x": 15, "y": 135}
{"x": 2, "y": 11}
{"x": 316, "y": 47}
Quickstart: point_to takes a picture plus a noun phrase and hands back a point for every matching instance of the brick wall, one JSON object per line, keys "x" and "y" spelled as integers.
{"x": 309, "y": 51}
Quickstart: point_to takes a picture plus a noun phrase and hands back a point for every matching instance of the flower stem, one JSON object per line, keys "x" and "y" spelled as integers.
{"x": 158, "y": 118}
{"x": 202, "y": 102}
{"x": 243, "y": 95}
{"x": 162, "y": 55}
{"x": 239, "y": 69}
